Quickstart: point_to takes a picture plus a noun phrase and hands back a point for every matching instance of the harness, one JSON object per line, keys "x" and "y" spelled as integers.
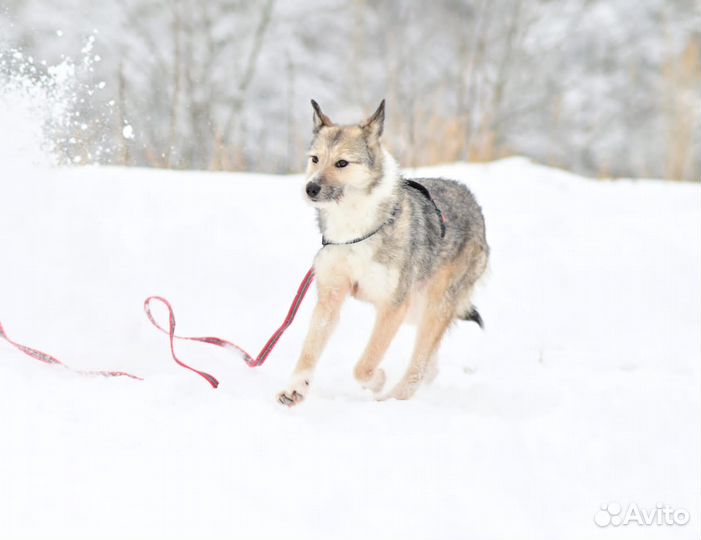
{"x": 407, "y": 183}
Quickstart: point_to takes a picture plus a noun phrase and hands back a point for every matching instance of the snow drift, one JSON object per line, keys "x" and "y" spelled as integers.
{"x": 584, "y": 388}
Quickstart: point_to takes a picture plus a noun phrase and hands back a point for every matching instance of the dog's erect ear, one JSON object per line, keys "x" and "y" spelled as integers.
{"x": 320, "y": 119}
{"x": 373, "y": 125}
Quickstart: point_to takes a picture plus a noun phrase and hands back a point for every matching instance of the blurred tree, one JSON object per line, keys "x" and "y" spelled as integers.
{"x": 594, "y": 86}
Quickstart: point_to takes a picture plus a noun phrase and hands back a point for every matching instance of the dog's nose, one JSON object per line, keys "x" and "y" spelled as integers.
{"x": 313, "y": 189}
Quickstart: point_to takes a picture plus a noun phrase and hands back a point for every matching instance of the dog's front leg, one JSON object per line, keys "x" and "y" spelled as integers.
{"x": 323, "y": 323}
{"x": 389, "y": 319}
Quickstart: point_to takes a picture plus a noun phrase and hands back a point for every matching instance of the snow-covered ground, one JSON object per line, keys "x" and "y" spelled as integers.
{"x": 584, "y": 389}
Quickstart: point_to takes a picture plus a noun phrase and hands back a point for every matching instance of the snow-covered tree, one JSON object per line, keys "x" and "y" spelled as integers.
{"x": 595, "y": 86}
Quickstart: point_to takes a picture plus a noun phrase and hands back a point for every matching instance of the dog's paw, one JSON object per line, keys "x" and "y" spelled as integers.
{"x": 370, "y": 379}
{"x": 295, "y": 393}
{"x": 288, "y": 398}
{"x": 376, "y": 382}
{"x": 403, "y": 391}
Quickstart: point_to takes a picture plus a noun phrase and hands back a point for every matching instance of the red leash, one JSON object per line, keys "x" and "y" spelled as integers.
{"x": 48, "y": 359}
{"x": 252, "y": 362}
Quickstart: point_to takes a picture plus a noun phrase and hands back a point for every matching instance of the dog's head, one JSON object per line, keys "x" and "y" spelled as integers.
{"x": 343, "y": 158}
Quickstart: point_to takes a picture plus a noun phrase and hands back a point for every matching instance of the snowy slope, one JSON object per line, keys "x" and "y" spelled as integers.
{"x": 584, "y": 388}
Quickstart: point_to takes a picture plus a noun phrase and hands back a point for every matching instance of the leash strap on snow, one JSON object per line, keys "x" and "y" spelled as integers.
{"x": 48, "y": 359}
{"x": 250, "y": 360}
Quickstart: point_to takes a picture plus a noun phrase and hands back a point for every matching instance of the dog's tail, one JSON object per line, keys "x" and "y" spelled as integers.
{"x": 474, "y": 316}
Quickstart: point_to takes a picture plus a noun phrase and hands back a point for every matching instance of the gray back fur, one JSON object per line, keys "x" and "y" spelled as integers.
{"x": 423, "y": 250}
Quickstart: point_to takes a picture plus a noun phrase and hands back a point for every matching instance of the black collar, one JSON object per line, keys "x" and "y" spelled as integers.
{"x": 410, "y": 183}
{"x": 390, "y": 220}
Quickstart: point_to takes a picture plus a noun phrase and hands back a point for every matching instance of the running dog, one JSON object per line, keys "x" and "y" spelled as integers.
{"x": 413, "y": 248}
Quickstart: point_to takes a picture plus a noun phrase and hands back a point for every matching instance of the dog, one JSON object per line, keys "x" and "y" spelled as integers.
{"x": 413, "y": 248}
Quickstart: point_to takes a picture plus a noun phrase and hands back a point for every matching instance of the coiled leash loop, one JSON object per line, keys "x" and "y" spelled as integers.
{"x": 250, "y": 361}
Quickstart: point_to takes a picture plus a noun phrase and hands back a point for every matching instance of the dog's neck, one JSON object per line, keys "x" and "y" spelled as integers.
{"x": 361, "y": 212}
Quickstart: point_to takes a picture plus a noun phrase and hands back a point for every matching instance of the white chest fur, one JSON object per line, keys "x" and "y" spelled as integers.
{"x": 355, "y": 215}
{"x": 368, "y": 280}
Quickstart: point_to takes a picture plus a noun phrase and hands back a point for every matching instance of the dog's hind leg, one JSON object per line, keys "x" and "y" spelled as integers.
{"x": 431, "y": 369}
{"x": 438, "y": 314}
{"x": 324, "y": 321}
{"x": 389, "y": 319}
{"x": 428, "y": 339}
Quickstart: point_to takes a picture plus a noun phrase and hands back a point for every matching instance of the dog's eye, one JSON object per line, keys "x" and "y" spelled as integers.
{"x": 315, "y": 159}
{"x": 341, "y": 163}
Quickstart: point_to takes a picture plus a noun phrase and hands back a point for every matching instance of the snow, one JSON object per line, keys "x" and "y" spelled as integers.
{"x": 583, "y": 389}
